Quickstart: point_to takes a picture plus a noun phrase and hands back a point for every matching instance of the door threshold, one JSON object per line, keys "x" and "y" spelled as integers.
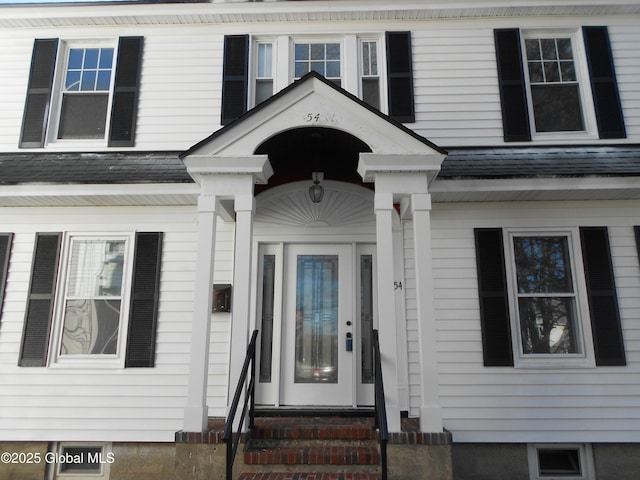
{"x": 314, "y": 411}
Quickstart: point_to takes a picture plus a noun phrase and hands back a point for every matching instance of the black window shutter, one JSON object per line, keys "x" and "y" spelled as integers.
{"x": 400, "y": 76}
{"x": 36, "y": 109}
{"x": 511, "y": 82}
{"x": 40, "y": 300}
{"x": 6, "y": 240}
{"x": 494, "y": 298}
{"x": 637, "y": 230}
{"x": 145, "y": 290}
{"x": 604, "y": 86}
{"x": 235, "y": 77}
{"x": 125, "y": 94}
{"x": 601, "y": 292}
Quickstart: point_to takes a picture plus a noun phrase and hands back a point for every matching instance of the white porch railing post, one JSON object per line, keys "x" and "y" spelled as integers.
{"x": 244, "y": 207}
{"x": 430, "y": 410}
{"x": 196, "y": 412}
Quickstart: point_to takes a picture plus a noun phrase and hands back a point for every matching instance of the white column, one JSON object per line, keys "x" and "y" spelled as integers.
{"x": 383, "y": 204}
{"x": 430, "y": 410}
{"x": 196, "y": 412}
{"x": 240, "y": 305}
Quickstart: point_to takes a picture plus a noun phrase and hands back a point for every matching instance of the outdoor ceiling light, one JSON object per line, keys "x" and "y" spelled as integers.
{"x": 316, "y": 191}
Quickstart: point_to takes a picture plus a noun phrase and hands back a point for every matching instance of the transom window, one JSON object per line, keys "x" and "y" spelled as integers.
{"x": 323, "y": 58}
{"x": 85, "y": 96}
{"x": 554, "y": 87}
{"x": 93, "y": 297}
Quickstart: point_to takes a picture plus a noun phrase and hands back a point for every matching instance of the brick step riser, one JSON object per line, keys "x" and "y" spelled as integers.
{"x": 315, "y": 433}
{"x": 313, "y": 456}
{"x": 309, "y": 476}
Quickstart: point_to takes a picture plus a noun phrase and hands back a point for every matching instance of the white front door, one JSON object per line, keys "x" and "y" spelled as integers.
{"x": 320, "y": 350}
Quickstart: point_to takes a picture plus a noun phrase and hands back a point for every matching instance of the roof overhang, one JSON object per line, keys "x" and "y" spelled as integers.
{"x": 69, "y": 15}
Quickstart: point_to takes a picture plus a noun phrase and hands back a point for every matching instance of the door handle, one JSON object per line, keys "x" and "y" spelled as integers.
{"x": 349, "y": 343}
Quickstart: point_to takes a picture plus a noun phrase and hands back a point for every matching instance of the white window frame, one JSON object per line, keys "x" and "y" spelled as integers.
{"x": 585, "y": 453}
{"x": 585, "y": 357}
{"x": 590, "y": 131}
{"x": 283, "y": 56}
{"x": 53, "y": 457}
{"x": 53, "y": 124}
{"x": 90, "y": 360}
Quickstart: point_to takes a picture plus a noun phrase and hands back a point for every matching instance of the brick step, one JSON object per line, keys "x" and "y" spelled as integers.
{"x": 309, "y": 476}
{"x": 313, "y": 455}
{"x": 314, "y": 429}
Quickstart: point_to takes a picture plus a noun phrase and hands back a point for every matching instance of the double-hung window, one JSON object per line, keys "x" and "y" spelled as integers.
{"x": 85, "y": 93}
{"x": 82, "y": 92}
{"x": 546, "y": 303}
{"x": 558, "y": 85}
{"x": 92, "y": 300}
{"x": 548, "y": 298}
{"x": 93, "y": 308}
{"x": 554, "y": 88}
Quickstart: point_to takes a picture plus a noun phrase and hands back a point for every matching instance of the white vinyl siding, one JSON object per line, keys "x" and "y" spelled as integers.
{"x": 142, "y": 404}
{"x": 506, "y": 404}
{"x": 455, "y": 79}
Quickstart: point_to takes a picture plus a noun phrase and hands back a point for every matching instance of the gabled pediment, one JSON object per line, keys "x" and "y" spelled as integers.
{"x": 313, "y": 101}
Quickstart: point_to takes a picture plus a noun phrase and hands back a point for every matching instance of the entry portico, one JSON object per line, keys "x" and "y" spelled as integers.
{"x": 400, "y": 164}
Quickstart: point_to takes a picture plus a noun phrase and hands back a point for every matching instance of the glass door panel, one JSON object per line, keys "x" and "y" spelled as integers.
{"x": 316, "y": 343}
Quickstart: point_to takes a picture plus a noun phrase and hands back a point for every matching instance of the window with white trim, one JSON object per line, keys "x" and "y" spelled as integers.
{"x": 349, "y": 61}
{"x": 560, "y": 462}
{"x": 92, "y": 310}
{"x": 549, "y": 317}
{"x": 82, "y": 92}
{"x": 558, "y": 87}
{"x": 86, "y": 92}
{"x": 264, "y": 71}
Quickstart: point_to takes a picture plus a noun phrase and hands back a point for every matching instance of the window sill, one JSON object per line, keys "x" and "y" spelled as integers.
{"x": 555, "y": 362}
{"x": 84, "y": 362}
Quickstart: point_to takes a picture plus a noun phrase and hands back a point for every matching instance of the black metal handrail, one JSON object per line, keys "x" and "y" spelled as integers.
{"x": 380, "y": 405}
{"x": 249, "y": 403}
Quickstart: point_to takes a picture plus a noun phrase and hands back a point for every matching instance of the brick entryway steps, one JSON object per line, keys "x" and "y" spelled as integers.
{"x": 312, "y": 448}
{"x": 309, "y": 476}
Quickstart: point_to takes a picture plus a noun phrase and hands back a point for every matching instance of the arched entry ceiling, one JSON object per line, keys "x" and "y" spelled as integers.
{"x": 296, "y": 153}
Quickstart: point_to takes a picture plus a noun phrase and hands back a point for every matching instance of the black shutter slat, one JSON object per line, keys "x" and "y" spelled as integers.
{"x": 494, "y": 298}
{"x": 604, "y": 85}
{"x": 145, "y": 290}
{"x": 6, "y": 240}
{"x": 511, "y": 82}
{"x": 36, "y": 110}
{"x": 39, "y": 311}
{"x": 603, "y": 302}
{"x": 235, "y": 77}
{"x": 124, "y": 107}
{"x": 400, "y": 76}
